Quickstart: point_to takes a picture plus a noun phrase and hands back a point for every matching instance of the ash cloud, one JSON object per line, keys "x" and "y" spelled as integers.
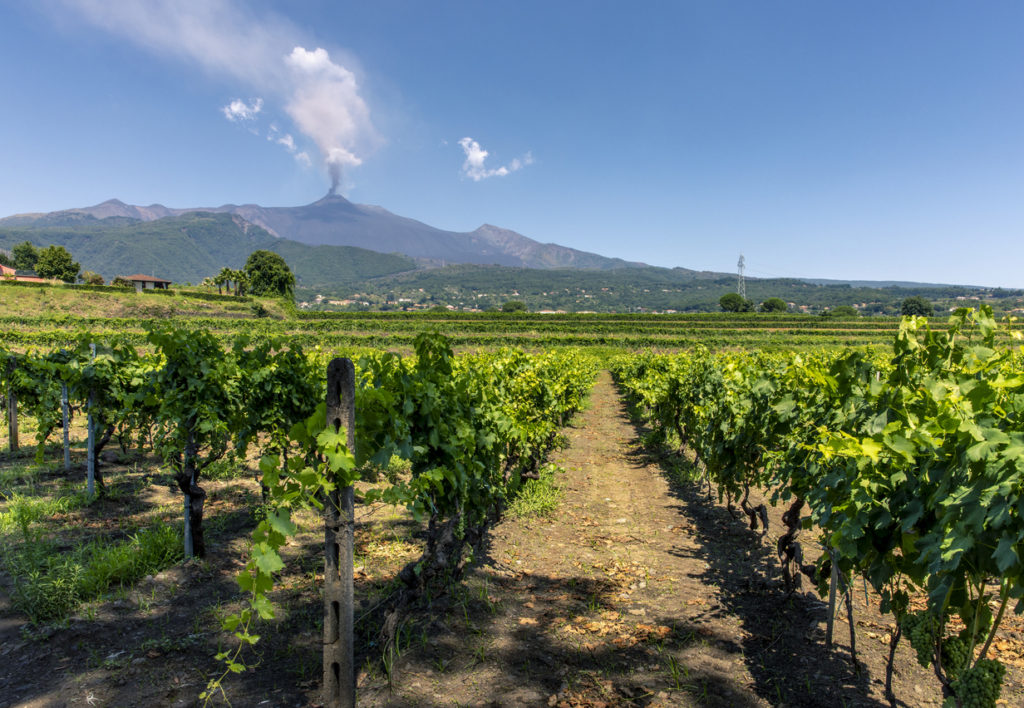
{"x": 262, "y": 50}
{"x": 325, "y": 105}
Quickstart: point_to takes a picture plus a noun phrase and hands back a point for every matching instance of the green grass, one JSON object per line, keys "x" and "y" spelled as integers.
{"x": 50, "y": 583}
{"x": 22, "y": 511}
{"x": 21, "y": 475}
{"x": 537, "y": 497}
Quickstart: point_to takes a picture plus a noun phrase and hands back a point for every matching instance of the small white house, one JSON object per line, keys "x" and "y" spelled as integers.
{"x": 147, "y": 282}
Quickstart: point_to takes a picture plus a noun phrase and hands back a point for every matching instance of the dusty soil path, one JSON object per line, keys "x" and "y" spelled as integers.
{"x": 637, "y": 591}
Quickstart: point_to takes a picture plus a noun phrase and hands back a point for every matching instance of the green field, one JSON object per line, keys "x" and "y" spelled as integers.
{"x": 55, "y": 315}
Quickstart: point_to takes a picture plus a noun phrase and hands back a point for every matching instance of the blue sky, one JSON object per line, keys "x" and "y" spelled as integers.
{"x": 867, "y": 140}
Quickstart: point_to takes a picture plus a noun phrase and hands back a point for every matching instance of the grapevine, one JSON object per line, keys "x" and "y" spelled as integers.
{"x": 906, "y": 461}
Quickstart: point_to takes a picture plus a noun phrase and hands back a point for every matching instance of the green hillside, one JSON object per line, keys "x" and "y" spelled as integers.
{"x": 194, "y": 246}
{"x": 637, "y": 290}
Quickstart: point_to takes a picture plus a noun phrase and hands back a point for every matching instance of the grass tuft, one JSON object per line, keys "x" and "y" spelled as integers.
{"x": 22, "y": 511}
{"x": 50, "y": 583}
{"x": 537, "y": 497}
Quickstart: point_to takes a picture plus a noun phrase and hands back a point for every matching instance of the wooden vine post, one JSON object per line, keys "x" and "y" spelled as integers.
{"x": 339, "y": 527}
{"x": 12, "y": 410}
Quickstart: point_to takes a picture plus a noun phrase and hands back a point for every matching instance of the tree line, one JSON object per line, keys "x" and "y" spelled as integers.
{"x": 264, "y": 273}
{"x": 912, "y": 306}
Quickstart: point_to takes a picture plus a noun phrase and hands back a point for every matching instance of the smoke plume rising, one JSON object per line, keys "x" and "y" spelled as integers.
{"x": 334, "y": 170}
{"x": 325, "y": 105}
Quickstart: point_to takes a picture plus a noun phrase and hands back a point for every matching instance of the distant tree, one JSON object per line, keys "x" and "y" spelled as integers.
{"x": 222, "y": 279}
{"x": 6, "y": 259}
{"x": 241, "y": 282}
{"x": 514, "y": 306}
{"x": 916, "y": 305}
{"x": 841, "y": 311}
{"x": 228, "y": 276}
{"x": 734, "y": 302}
{"x": 90, "y": 278}
{"x": 25, "y": 256}
{"x": 774, "y": 304}
{"x": 269, "y": 274}
{"x": 122, "y": 282}
{"x": 56, "y": 262}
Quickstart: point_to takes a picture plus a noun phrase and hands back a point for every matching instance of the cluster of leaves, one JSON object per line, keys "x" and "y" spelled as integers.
{"x": 269, "y": 274}
{"x": 911, "y": 464}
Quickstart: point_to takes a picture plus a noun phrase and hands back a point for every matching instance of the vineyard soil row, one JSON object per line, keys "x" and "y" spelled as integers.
{"x": 636, "y": 591}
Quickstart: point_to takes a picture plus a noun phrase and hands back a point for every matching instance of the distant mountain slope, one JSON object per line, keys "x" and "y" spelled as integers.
{"x": 336, "y": 221}
{"x": 546, "y": 255}
{"x": 190, "y": 246}
{"x": 641, "y": 289}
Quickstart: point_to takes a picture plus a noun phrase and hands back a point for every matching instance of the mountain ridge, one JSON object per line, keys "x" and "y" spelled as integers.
{"x": 333, "y": 220}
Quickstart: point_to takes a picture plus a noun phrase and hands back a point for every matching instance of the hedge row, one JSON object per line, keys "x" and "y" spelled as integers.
{"x": 125, "y": 289}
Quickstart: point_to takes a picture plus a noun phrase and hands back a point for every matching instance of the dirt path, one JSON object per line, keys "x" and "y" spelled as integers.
{"x": 637, "y": 592}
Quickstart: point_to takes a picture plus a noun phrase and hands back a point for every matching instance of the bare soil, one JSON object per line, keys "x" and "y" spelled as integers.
{"x": 638, "y": 591}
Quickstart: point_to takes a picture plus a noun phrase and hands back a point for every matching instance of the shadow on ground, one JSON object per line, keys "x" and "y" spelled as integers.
{"x": 779, "y": 632}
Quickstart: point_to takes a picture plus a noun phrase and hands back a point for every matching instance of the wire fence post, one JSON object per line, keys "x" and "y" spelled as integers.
{"x": 339, "y": 527}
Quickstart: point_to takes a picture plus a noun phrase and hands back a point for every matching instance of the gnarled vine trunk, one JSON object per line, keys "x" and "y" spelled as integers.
{"x": 187, "y": 478}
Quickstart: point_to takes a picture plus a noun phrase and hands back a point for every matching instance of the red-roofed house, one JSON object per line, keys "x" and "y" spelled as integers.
{"x": 147, "y": 282}
{"x": 8, "y": 273}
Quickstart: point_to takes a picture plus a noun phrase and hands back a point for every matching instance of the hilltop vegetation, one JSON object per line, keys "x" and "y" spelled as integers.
{"x": 68, "y": 304}
{"x": 194, "y": 246}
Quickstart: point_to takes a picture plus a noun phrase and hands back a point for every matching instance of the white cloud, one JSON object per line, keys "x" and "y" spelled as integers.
{"x": 518, "y": 164}
{"x": 239, "y": 110}
{"x": 264, "y": 50}
{"x": 475, "y": 169}
{"x": 301, "y": 156}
